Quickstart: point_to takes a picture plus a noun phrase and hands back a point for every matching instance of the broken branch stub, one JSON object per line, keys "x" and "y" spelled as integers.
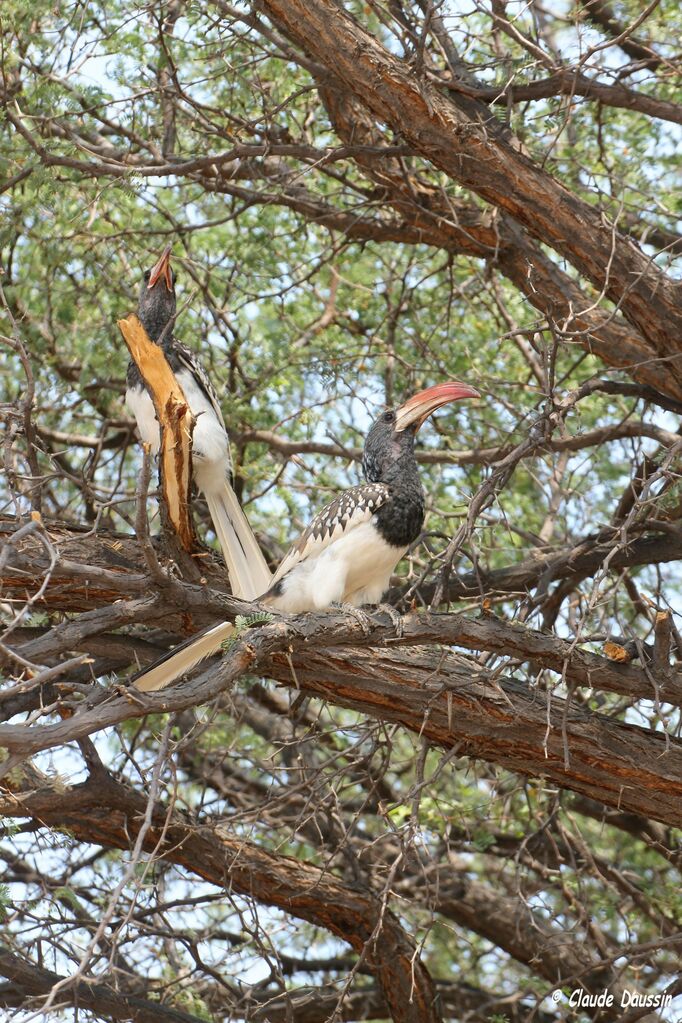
{"x": 176, "y": 423}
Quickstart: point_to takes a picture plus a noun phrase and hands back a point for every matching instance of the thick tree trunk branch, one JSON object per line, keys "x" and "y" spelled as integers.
{"x": 526, "y": 731}
{"x": 470, "y": 784}
{"x": 433, "y": 694}
{"x": 317, "y": 1005}
{"x": 547, "y": 287}
{"x": 110, "y": 567}
{"x": 427, "y": 217}
{"x": 102, "y": 811}
{"x": 29, "y": 981}
{"x": 502, "y": 242}
{"x": 460, "y": 136}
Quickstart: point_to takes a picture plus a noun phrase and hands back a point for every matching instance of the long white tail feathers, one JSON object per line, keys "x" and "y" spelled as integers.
{"x": 181, "y": 660}
{"x": 249, "y": 574}
{"x": 250, "y": 577}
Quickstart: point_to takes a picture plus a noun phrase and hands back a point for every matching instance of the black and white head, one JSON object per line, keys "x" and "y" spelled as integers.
{"x": 157, "y": 304}
{"x": 389, "y": 447}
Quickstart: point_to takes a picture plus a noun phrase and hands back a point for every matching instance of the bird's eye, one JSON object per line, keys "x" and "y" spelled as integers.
{"x": 147, "y": 274}
{"x": 389, "y": 416}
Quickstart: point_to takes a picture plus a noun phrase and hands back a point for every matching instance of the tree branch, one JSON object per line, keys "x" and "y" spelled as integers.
{"x": 433, "y": 695}
{"x": 468, "y": 144}
{"x": 29, "y": 981}
{"x": 106, "y": 812}
{"x": 567, "y": 82}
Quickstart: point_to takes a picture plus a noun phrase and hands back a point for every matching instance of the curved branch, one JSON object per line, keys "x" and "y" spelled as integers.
{"x": 602, "y": 14}
{"x": 472, "y": 456}
{"x": 434, "y": 695}
{"x": 29, "y": 980}
{"x": 460, "y": 136}
{"x": 570, "y": 83}
{"x": 105, "y": 812}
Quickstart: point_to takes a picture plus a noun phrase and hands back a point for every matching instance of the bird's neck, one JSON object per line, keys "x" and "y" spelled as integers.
{"x": 401, "y": 518}
{"x": 155, "y": 322}
{"x": 402, "y": 474}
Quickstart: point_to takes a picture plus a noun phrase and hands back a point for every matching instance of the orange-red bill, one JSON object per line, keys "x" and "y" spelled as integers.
{"x": 417, "y": 409}
{"x": 162, "y": 269}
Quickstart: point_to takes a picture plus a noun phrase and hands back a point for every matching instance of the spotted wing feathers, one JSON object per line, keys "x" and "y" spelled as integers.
{"x": 345, "y": 512}
{"x": 182, "y": 357}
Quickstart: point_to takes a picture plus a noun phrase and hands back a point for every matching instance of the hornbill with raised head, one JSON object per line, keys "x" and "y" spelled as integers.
{"x": 349, "y": 550}
{"x": 211, "y": 460}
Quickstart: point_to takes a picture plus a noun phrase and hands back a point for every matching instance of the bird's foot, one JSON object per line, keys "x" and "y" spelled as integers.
{"x": 360, "y": 617}
{"x": 395, "y": 617}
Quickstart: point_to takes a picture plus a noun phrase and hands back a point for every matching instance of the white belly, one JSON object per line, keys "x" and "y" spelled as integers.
{"x": 356, "y": 569}
{"x": 142, "y": 407}
{"x": 211, "y": 461}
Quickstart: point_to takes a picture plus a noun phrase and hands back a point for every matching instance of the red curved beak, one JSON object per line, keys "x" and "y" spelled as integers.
{"x": 162, "y": 269}
{"x": 418, "y": 408}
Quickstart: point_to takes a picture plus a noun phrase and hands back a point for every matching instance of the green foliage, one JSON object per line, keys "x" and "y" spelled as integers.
{"x": 244, "y": 622}
{"x": 308, "y": 330}
{"x": 67, "y": 894}
{"x": 5, "y": 902}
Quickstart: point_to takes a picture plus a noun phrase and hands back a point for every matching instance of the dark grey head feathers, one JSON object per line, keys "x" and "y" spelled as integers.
{"x": 388, "y": 454}
{"x": 389, "y": 458}
{"x": 157, "y": 305}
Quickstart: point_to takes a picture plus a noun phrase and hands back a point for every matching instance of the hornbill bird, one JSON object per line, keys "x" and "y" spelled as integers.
{"x": 211, "y": 460}
{"x": 349, "y": 550}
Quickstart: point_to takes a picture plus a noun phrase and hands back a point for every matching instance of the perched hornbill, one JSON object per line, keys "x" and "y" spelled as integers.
{"x": 211, "y": 461}
{"x": 349, "y": 550}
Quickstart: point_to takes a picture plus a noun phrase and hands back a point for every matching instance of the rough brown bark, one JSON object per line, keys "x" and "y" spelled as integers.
{"x": 105, "y": 812}
{"x": 496, "y": 238}
{"x": 437, "y": 696}
{"x": 434, "y": 696}
{"x": 28, "y": 980}
{"x": 93, "y": 570}
{"x": 461, "y": 137}
{"x": 365, "y": 780}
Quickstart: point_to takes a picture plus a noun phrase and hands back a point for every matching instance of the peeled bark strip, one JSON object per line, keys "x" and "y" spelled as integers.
{"x": 176, "y": 423}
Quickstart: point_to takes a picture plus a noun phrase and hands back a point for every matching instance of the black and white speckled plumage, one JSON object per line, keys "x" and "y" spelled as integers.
{"x": 349, "y": 550}
{"x": 349, "y": 509}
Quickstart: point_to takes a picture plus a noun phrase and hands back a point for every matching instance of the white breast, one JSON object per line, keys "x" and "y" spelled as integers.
{"x": 211, "y": 460}
{"x": 142, "y": 407}
{"x": 212, "y": 463}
